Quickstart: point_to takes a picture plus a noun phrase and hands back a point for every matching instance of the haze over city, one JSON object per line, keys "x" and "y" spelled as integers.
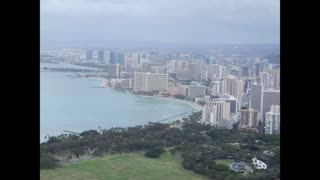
{"x": 126, "y": 23}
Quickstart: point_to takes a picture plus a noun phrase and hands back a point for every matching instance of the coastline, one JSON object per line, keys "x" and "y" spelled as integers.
{"x": 195, "y": 106}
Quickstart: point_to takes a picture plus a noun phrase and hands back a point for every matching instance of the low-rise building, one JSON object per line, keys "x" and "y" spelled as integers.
{"x": 259, "y": 164}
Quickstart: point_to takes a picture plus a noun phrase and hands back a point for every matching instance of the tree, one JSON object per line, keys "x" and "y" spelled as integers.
{"x": 90, "y": 132}
{"x": 172, "y": 152}
{"x": 52, "y": 139}
{"x": 154, "y": 153}
{"x": 178, "y": 96}
{"x": 201, "y": 103}
{"x": 235, "y": 125}
{"x": 98, "y": 152}
{"x": 47, "y": 161}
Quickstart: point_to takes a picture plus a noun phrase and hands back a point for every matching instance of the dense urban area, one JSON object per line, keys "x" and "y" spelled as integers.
{"x": 238, "y": 120}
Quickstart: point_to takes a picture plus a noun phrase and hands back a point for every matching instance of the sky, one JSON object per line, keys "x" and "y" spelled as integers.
{"x": 115, "y": 23}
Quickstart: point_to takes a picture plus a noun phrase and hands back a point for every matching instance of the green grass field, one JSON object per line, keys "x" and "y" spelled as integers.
{"x": 124, "y": 166}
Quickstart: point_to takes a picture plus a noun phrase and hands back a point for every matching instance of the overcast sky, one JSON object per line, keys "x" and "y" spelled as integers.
{"x": 119, "y": 22}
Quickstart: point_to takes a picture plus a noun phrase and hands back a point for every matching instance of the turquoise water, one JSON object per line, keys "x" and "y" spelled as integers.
{"x": 65, "y": 65}
{"x": 77, "y": 105}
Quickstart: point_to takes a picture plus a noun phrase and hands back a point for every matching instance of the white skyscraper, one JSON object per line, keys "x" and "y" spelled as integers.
{"x": 215, "y": 71}
{"x": 144, "y": 58}
{"x": 175, "y": 66}
{"x": 148, "y": 82}
{"x": 277, "y": 78}
{"x": 270, "y": 97}
{"x": 216, "y": 88}
{"x": 158, "y": 69}
{"x": 194, "y": 91}
{"x": 266, "y": 80}
{"x": 215, "y": 112}
{"x": 195, "y": 69}
{"x": 234, "y": 87}
{"x": 106, "y": 57}
{"x": 272, "y": 123}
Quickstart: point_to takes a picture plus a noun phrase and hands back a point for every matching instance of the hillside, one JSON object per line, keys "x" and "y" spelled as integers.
{"x": 202, "y": 148}
{"x": 122, "y": 166}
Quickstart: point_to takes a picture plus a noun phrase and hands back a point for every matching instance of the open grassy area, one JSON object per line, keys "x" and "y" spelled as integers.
{"x": 226, "y": 162}
{"x": 124, "y": 166}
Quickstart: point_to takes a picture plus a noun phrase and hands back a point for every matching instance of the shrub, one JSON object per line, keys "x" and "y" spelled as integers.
{"x": 97, "y": 152}
{"x": 47, "y": 161}
{"x": 154, "y": 153}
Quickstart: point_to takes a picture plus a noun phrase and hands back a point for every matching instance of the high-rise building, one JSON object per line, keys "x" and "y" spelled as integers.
{"x": 148, "y": 82}
{"x": 195, "y": 69}
{"x": 266, "y": 80}
{"x": 121, "y": 58}
{"x": 144, "y": 58}
{"x": 247, "y": 85}
{"x": 232, "y": 100}
{"x": 113, "y": 57}
{"x": 89, "y": 54}
{"x": 272, "y": 123}
{"x": 194, "y": 91}
{"x": 175, "y": 66}
{"x": 117, "y": 58}
{"x": 215, "y": 112}
{"x": 259, "y": 68}
{"x": 182, "y": 90}
{"x": 158, "y": 69}
{"x": 101, "y": 56}
{"x": 244, "y": 71}
{"x": 235, "y": 71}
{"x": 131, "y": 60}
{"x": 135, "y": 59}
{"x": 215, "y": 71}
{"x": 277, "y": 78}
{"x": 249, "y": 118}
{"x": 184, "y": 75}
{"x": 216, "y": 88}
{"x": 146, "y": 67}
{"x": 106, "y": 57}
{"x": 204, "y": 75}
{"x": 256, "y": 97}
{"x": 210, "y": 60}
{"x": 270, "y": 97}
{"x": 114, "y": 70}
{"x": 125, "y": 75}
{"x": 234, "y": 87}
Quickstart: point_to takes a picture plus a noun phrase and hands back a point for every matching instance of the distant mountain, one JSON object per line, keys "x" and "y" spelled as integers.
{"x": 273, "y": 58}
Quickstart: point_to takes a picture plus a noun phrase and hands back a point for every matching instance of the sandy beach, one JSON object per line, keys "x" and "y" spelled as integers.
{"x": 198, "y": 107}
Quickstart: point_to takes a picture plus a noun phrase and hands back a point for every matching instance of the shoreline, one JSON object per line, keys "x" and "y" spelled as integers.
{"x": 195, "y": 106}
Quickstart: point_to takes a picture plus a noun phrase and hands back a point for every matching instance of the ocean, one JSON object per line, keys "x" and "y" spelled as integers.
{"x": 79, "y": 104}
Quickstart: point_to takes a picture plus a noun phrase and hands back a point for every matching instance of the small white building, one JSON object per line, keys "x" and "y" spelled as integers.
{"x": 258, "y": 164}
